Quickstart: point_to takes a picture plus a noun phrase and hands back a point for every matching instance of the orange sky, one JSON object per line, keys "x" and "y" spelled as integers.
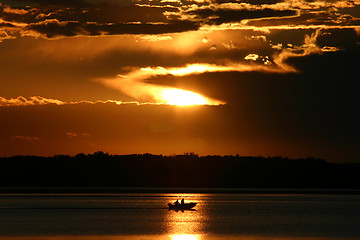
{"x": 268, "y": 78}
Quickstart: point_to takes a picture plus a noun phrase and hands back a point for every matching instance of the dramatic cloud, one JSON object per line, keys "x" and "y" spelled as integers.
{"x": 307, "y": 19}
{"x": 134, "y": 85}
{"x": 92, "y": 19}
{"x": 21, "y": 101}
{"x": 137, "y": 83}
{"x": 309, "y": 47}
{"x": 37, "y": 100}
{"x": 54, "y": 28}
{"x": 73, "y": 18}
{"x": 99, "y": 13}
{"x": 156, "y": 95}
{"x": 220, "y": 16}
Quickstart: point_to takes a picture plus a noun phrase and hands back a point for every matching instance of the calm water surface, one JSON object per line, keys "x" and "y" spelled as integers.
{"x": 145, "y": 216}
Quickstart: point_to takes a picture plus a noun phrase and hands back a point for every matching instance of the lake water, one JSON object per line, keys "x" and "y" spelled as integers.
{"x": 145, "y": 216}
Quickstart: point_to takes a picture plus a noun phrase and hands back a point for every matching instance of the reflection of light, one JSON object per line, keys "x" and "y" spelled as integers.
{"x": 185, "y": 225}
{"x": 183, "y": 98}
{"x": 185, "y": 237}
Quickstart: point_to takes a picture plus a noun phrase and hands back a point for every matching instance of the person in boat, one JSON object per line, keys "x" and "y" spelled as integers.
{"x": 177, "y": 202}
{"x": 182, "y": 202}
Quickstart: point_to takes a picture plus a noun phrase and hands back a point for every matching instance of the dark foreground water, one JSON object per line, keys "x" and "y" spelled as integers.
{"x": 144, "y": 216}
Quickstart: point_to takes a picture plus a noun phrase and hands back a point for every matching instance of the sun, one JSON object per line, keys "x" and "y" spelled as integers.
{"x": 183, "y": 98}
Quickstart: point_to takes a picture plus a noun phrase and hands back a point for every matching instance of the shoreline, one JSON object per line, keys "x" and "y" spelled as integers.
{"x": 139, "y": 190}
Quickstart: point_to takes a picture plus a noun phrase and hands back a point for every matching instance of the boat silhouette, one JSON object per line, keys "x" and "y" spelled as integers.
{"x": 184, "y": 206}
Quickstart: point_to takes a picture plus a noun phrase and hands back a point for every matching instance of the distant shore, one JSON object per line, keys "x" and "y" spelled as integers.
{"x": 123, "y": 190}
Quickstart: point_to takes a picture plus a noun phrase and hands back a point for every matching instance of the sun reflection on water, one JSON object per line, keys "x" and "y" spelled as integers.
{"x": 188, "y": 224}
{"x": 185, "y": 237}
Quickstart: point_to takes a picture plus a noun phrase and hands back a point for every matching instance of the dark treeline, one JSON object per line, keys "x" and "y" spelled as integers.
{"x": 189, "y": 170}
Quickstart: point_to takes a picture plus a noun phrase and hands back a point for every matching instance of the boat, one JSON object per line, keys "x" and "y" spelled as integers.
{"x": 185, "y": 206}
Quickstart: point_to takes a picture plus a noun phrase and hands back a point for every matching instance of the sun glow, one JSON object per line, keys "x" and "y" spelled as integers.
{"x": 135, "y": 85}
{"x": 191, "y": 69}
{"x": 183, "y": 98}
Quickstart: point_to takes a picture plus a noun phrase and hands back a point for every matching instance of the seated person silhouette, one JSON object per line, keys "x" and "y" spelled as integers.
{"x": 182, "y": 202}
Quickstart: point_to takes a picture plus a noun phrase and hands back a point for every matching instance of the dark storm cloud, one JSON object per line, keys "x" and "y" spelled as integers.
{"x": 71, "y": 18}
{"x": 341, "y": 38}
{"x": 219, "y": 16}
{"x": 99, "y": 13}
{"x": 56, "y": 28}
{"x": 307, "y": 19}
{"x": 108, "y": 13}
{"x": 17, "y": 15}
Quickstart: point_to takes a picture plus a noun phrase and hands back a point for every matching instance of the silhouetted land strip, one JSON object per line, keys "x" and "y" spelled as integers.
{"x": 101, "y": 172}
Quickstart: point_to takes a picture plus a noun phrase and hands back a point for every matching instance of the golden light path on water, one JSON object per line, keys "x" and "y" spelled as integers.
{"x": 186, "y": 225}
{"x": 174, "y": 225}
{"x": 185, "y": 237}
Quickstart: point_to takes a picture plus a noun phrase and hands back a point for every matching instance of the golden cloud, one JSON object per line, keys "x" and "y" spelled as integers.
{"x": 134, "y": 83}
{"x": 22, "y": 101}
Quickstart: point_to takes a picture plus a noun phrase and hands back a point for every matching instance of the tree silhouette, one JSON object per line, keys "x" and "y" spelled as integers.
{"x": 188, "y": 170}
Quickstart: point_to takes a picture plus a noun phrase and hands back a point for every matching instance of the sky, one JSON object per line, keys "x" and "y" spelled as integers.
{"x": 213, "y": 77}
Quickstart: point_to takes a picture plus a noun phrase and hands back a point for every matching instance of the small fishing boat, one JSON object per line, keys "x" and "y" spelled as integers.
{"x": 185, "y": 206}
